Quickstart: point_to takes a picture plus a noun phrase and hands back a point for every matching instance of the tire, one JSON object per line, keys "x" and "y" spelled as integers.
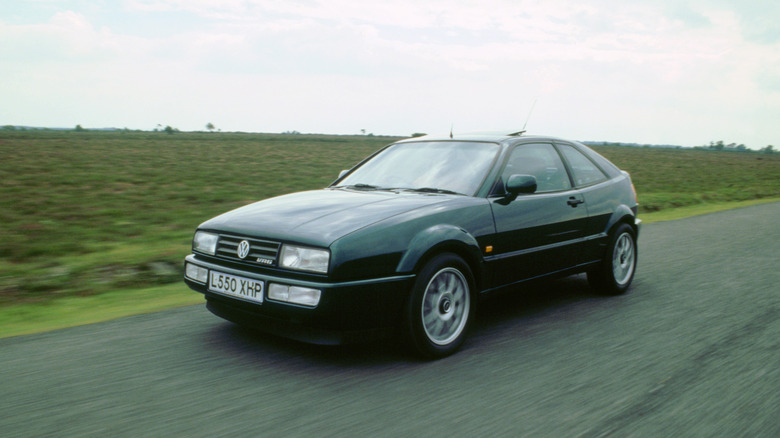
{"x": 614, "y": 274}
{"x": 440, "y": 308}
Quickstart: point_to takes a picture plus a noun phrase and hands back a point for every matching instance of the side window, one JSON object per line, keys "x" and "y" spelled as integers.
{"x": 541, "y": 161}
{"x": 583, "y": 170}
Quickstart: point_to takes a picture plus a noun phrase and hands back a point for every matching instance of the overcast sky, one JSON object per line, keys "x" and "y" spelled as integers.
{"x": 657, "y": 71}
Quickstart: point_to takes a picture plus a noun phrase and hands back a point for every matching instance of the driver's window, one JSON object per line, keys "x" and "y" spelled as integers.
{"x": 541, "y": 161}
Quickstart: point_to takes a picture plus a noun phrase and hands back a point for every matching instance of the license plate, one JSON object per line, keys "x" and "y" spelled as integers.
{"x": 233, "y": 285}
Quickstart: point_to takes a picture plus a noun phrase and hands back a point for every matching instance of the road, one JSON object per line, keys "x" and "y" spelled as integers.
{"x": 693, "y": 349}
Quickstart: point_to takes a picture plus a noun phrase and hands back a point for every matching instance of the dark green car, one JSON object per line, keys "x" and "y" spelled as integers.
{"x": 409, "y": 239}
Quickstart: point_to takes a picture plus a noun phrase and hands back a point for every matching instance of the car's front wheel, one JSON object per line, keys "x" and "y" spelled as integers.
{"x": 440, "y": 307}
{"x": 616, "y": 271}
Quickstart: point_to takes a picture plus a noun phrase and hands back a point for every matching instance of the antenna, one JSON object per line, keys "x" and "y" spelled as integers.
{"x": 451, "y": 126}
{"x": 529, "y": 115}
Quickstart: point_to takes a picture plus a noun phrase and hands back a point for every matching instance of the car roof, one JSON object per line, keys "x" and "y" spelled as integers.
{"x": 492, "y": 136}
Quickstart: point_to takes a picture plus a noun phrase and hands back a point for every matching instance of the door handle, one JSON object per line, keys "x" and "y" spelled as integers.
{"x": 574, "y": 202}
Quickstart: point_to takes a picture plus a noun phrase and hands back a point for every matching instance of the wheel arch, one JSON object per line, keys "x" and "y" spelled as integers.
{"x": 622, "y": 215}
{"x": 442, "y": 239}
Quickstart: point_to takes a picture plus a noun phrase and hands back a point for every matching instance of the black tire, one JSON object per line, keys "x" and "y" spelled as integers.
{"x": 440, "y": 308}
{"x": 614, "y": 274}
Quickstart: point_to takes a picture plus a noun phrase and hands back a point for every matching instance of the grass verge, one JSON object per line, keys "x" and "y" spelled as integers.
{"x": 71, "y": 311}
{"x": 29, "y": 318}
{"x": 699, "y": 209}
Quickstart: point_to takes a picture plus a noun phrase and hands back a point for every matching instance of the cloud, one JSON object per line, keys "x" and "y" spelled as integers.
{"x": 600, "y": 69}
{"x": 758, "y": 19}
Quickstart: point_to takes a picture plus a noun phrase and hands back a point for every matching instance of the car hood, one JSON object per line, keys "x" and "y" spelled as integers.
{"x": 319, "y": 217}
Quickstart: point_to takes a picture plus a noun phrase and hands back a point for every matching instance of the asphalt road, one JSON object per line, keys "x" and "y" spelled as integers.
{"x": 692, "y": 350}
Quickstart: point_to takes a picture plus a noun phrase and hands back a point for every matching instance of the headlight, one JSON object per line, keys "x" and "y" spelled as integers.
{"x": 205, "y": 242}
{"x": 305, "y": 259}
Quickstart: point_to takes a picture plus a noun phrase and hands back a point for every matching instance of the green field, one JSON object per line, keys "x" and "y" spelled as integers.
{"x": 672, "y": 178}
{"x": 86, "y": 213}
{"x": 89, "y": 212}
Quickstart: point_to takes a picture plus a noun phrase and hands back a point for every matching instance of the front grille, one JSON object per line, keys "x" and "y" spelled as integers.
{"x": 261, "y": 252}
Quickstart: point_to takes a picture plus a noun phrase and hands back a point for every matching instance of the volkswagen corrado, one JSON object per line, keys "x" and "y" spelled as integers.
{"x": 408, "y": 240}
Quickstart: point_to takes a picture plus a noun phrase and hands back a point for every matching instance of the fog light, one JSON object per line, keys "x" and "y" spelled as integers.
{"x": 294, "y": 294}
{"x": 304, "y": 296}
{"x": 278, "y": 292}
{"x": 195, "y": 272}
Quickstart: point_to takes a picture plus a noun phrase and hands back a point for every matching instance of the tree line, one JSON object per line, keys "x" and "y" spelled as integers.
{"x": 733, "y": 147}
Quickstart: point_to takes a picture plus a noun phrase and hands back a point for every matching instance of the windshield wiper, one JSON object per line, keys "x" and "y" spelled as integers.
{"x": 359, "y": 186}
{"x": 433, "y": 190}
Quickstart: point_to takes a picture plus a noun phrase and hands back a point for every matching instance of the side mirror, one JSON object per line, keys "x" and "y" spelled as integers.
{"x": 518, "y": 184}
{"x": 342, "y": 173}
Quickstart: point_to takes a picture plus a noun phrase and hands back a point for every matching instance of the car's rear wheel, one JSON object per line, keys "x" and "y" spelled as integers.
{"x": 440, "y": 307}
{"x": 614, "y": 274}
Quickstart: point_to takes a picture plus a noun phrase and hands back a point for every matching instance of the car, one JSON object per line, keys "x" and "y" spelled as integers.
{"x": 407, "y": 242}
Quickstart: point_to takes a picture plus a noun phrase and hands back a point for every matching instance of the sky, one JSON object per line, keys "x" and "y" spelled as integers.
{"x": 682, "y": 72}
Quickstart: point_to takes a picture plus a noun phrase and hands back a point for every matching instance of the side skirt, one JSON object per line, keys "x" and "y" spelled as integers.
{"x": 578, "y": 269}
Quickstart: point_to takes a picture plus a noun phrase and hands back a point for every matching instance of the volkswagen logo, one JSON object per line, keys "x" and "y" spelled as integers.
{"x": 243, "y": 249}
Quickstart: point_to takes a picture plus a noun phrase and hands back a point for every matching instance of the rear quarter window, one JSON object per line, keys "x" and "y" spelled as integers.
{"x": 606, "y": 165}
{"x": 584, "y": 171}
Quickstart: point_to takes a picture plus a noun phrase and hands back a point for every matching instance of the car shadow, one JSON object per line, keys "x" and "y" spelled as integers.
{"x": 504, "y": 311}
{"x": 255, "y": 345}
{"x": 531, "y": 298}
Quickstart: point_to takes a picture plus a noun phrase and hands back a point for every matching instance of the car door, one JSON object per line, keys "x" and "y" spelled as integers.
{"x": 597, "y": 192}
{"x": 540, "y": 232}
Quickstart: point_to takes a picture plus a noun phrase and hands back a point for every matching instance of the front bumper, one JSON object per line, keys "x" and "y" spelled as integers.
{"x": 347, "y": 311}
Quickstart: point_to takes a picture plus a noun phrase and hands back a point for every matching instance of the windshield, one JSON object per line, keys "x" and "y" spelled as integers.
{"x": 443, "y": 166}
